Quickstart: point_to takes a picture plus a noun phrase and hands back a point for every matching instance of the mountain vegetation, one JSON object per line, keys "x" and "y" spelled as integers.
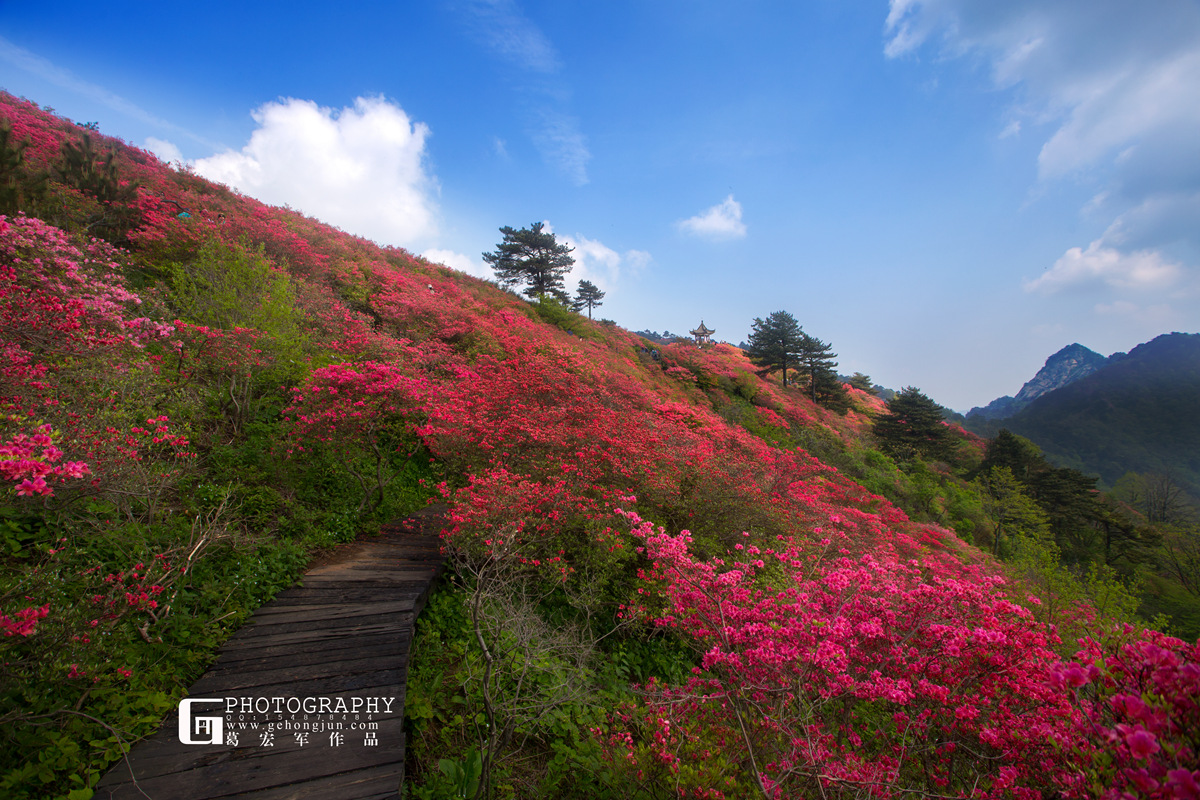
{"x": 1138, "y": 413}
{"x": 670, "y": 575}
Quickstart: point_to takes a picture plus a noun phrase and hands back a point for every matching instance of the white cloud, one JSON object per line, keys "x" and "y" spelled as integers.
{"x": 460, "y": 262}
{"x": 1140, "y": 270}
{"x": 1137, "y": 106}
{"x": 599, "y": 263}
{"x": 1119, "y": 86}
{"x": 362, "y": 169}
{"x": 167, "y": 152}
{"x": 722, "y": 221}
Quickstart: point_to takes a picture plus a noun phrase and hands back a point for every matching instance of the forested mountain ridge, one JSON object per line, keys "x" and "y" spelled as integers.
{"x": 1140, "y": 413}
{"x": 670, "y": 576}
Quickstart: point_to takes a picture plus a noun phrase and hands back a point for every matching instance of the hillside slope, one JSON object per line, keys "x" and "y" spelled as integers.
{"x": 199, "y": 388}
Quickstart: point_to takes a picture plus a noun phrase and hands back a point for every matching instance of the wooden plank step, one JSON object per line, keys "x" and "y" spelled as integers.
{"x": 274, "y": 673}
{"x": 343, "y": 632}
{"x": 308, "y": 687}
{"x": 385, "y": 645}
{"x": 366, "y": 618}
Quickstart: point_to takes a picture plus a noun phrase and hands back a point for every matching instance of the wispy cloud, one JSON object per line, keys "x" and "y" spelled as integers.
{"x": 361, "y": 168}
{"x": 722, "y": 221}
{"x": 1120, "y": 87}
{"x": 562, "y": 145}
{"x": 34, "y": 64}
{"x": 509, "y": 34}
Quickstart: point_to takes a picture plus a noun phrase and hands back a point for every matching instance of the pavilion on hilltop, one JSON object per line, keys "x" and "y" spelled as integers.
{"x": 703, "y": 335}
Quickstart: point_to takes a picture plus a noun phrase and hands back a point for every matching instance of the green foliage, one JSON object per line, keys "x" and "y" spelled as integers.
{"x": 1013, "y": 514}
{"x": 445, "y": 705}
{"x": 456, "y": 778}
{"x": 555, "y": 311}
{"x": 532, "y": 256}
{"x": 20, "y": 189}
{"x": 863, "y": 382}
{"x": 587, "y": 296}
{"x": 775, "y": 344}
{"x": 230, "y": 286}
{"x": 1072, "y": 600}
{"x": 77, "y": 693}
{"x": 912, "y": 428}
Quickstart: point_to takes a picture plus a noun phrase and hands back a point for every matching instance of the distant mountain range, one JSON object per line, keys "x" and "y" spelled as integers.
{"x": 1136, "y": 411}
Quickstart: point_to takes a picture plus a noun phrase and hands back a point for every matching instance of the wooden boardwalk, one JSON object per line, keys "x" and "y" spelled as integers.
{"x": 309, "y": 694}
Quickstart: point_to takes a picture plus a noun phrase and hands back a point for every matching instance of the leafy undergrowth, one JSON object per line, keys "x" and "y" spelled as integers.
{"x": 670, "y": 577}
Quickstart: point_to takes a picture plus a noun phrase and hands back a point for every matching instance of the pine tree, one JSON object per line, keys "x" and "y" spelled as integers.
{"x": 534, "y": 257}
{"x": 862, "y": 382}
{"x": 775, "y": 343}
{"x": 20, "y": 188}
{"x": 96, "y": 174}
{"x": 913, "y": 428}
{"x": 1011, "y": 510}
{"x": 93, "y": 173}
{"x": 587, "y": 296}
{"x": 818, "y": 362}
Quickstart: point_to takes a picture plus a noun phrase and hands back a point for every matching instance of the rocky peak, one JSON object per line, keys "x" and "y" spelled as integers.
{"x": 1066, "y": 366}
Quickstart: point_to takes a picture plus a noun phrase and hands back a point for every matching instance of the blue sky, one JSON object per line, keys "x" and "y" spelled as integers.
{"x": 947, "y": 191}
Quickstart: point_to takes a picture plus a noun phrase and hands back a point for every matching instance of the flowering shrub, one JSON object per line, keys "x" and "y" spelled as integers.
{"x": 58, "y": 301}
{"x": 850, "y": 674}
{"x": 355, "y": 410}
{"x": 24, "y": 622}
{"x": 27, "y": 460}
{"x": 1138, "y": 697}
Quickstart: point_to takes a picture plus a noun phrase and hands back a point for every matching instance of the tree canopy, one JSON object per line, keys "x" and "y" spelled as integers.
{"x": 912, "y": 427}
{"x": 588, "y": 296}
{"x": 532, "y": 256}
{"x": 778, "y": 343}
{"x": 775, "y": 343}
{"x": 863, "y": 382}
{"x": 817, "y": 360}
